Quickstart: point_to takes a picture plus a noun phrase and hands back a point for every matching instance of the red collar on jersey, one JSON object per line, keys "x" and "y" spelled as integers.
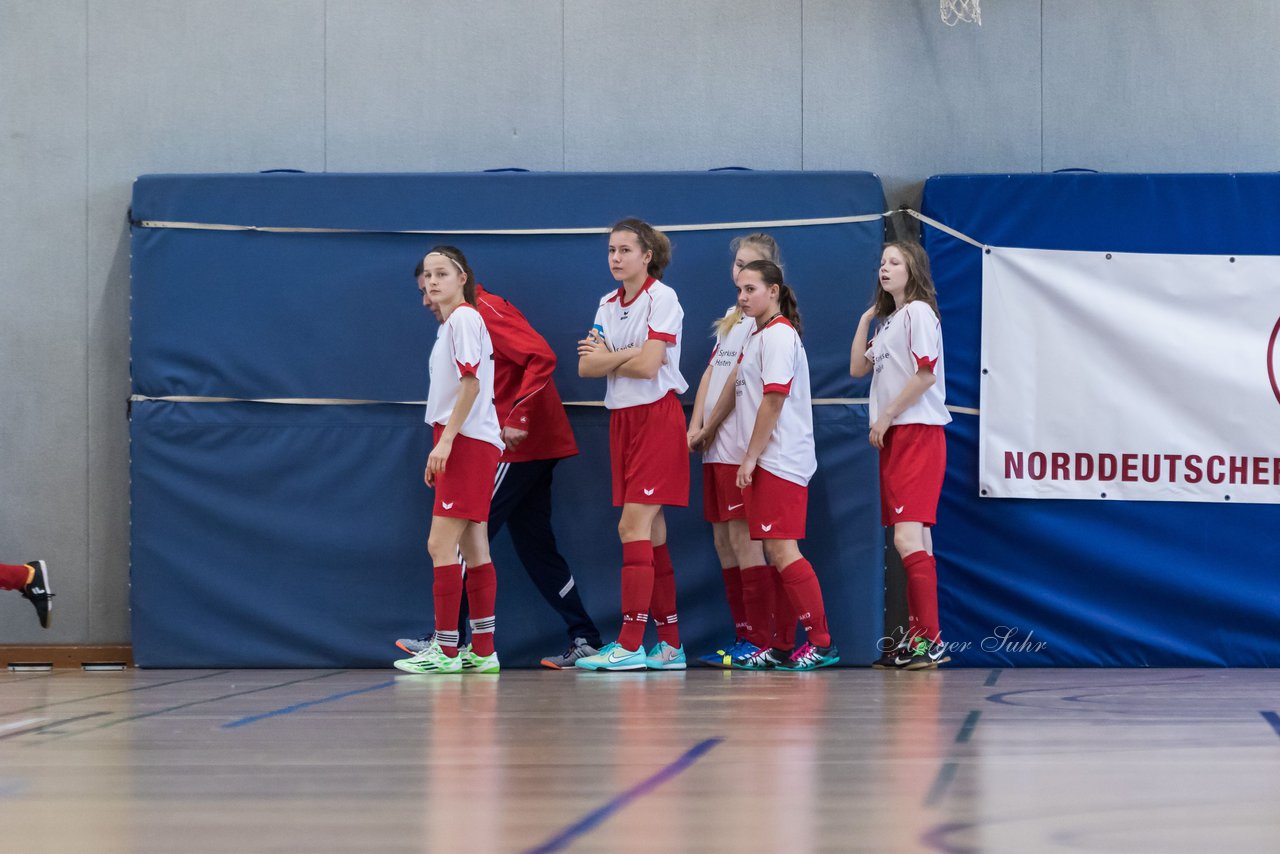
{"x": 620, "y": 296}
{"x": 781, "y": 318}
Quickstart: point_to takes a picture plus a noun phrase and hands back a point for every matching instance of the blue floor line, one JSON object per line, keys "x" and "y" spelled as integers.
{"x": 644, "y": 787}
{"x": 297, "y": 706}
{"x": 1273, "y": 719}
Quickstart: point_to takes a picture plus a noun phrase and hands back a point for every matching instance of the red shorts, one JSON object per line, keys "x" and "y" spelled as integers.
{"x": 721, "y": 498}
{"x": 913, "y": 463}
{"x": 465, "y": 487}
{"x": 776, "y": 507}
{"x": 649, "y": 454}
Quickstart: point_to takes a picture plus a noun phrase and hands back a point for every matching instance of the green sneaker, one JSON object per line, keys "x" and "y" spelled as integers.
{"x": 926, "y": 655}
{"x": 481, "y": 663}
{"x": 431, "y": 660}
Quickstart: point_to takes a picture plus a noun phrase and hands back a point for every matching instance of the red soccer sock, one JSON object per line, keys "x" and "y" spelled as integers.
{"x": 759, "y": 598}
{"x": 637, "y": 590}
{"x": 805, "y": 593}
{"x": 482, "y": 593}
{"x": 663, "y": 604}
{"x": 922, "y": 590}
{"x": 733, "y": 593}
{"x": 447, "y": 593}
{"x": 784, "y": 615}
{"x": 13, "y": 577}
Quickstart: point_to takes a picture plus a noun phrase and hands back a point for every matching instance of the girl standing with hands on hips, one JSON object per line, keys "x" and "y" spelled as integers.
{"x": 775, "y": 411}
{"x": 908, "y": 411}
{"x": 461, "y": 467}
{"x": 635, "y": 345}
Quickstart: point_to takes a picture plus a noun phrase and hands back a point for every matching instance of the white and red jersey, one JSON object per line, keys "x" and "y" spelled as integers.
{"x": 463, "y": 347}
{"x": 907, "y": 340}
{"x": 774, "y": 361}
{"x": 653, "y": 315}
{"x": 729, "y": 446}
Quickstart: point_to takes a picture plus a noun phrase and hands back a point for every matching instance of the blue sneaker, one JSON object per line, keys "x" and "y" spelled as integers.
{"x": 743, "y": 652}
{"x": 613, "y": 656}
{"x": 723, "y": 658}
{"x": 664, "y": 656}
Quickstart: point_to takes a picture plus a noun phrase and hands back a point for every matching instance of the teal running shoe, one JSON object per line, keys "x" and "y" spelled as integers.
{"x": 664, "y": 656}
{"x": 613, "y": 656}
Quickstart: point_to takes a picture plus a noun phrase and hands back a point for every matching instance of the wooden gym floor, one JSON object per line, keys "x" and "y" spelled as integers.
{"x": 707, "y": 761}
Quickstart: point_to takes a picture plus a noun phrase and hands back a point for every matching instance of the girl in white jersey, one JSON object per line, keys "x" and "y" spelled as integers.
{"x": 635, "y": 344}
{"x": 775, "y": 410}
{"x": 742, "y": 564}
{"x": 908, "y": 411}
{"x": 461, "y": 467}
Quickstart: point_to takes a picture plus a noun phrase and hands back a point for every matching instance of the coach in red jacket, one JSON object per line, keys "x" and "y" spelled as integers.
{"x": 537, "y": 435}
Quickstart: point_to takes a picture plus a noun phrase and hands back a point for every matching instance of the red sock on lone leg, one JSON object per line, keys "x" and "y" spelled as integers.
{"x": 637, "y": 591}
{"x": 758, "y": 595}
{"x": 446, "y": 590}
{"x": 15, "y": 576}
{"x": 663, "y": 605}
{"x": 784, "y": 614}
{"x": 922, "y": 591}
{"x": 482, "y": 594}
{"x": 733, "y": 593}
{"x": 806, "y": 597}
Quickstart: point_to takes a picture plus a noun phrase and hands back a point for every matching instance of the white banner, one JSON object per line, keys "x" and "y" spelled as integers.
{"x": 1127, "y": 376}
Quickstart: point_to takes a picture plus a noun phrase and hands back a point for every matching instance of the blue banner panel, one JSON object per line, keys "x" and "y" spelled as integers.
{"x": 322, "y": 315}
{"x": 295, "y": 536}
{"x": 1105, "y": 583}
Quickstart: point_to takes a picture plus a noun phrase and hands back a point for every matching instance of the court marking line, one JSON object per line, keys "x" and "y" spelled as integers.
{"x": 288, "y": 710}
{"x": 991, "y": 679}
{"x": 947, "y": 772}
{"x": 139, "y": 717}
{"x": 938, "y": 790}
{"x": 21, "y": 724}
{"x": 51, "y": 724}
{"x": 966, "y": 729}
{"x": 43, "y": 706}
{"x": 562, "y": 839}
{"x": 1273, "y": 719}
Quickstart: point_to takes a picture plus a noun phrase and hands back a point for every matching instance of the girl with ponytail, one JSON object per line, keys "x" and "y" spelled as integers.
{"x": 635, "y": 345}
{"x": 742, "y": 565}
{"x": 774, "y": 410}
{"x": 467, "y": 443}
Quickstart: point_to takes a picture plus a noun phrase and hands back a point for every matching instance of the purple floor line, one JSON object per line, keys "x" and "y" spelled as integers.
{"x": 562, "y": 839}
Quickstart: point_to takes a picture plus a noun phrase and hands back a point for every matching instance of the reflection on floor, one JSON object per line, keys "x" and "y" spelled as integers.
{"x": 706, "y": 761}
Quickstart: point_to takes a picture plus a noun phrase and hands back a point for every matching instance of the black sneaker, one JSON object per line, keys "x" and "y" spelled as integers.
{"x": 38, "y": 592}
{"x": 889, "y": 660}
{"x": 810, "y": 657}
{"x": 926, "y": 656}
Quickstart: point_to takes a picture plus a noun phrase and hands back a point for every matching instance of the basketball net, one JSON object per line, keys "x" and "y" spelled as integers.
{"x": 955, "y": 11}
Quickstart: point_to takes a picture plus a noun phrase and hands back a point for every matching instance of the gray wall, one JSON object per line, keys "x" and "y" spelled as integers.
{"x": 94, "y": 92}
